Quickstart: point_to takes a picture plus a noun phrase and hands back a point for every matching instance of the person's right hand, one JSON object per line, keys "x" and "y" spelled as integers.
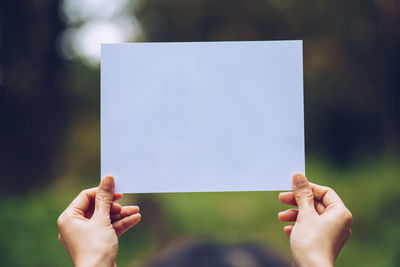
{"x": 321, "y": 223}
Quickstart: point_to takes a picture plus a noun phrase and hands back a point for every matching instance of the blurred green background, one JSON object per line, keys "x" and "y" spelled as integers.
{"x": 49, "y": 114}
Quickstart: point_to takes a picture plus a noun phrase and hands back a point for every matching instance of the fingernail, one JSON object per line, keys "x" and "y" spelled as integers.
{"x": 108, "y": 183}
{"x": 299, "y": 180}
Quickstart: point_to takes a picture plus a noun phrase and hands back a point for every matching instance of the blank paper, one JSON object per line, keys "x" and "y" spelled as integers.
{"x": 202, "y": 116}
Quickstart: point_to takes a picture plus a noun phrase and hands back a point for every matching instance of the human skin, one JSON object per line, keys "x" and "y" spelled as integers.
{"x": 321, "y": 223}
{"x": 91, "y": 224}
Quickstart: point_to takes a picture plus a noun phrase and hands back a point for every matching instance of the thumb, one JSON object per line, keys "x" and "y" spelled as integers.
{"x": 302, "y": 192}
{"x": 104, "y": 199}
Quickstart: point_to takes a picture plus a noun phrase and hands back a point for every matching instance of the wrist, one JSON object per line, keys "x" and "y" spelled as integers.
{"x": 313, "y": 259}
{"x": 95, "y": 261}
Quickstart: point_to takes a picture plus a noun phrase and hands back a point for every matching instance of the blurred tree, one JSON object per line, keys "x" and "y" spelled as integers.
{"x": 32, "y": 106}
{"x": 351, "y": 60}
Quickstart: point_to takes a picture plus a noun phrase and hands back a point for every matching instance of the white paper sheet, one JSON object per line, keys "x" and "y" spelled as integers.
{"x": 202, "y": 116}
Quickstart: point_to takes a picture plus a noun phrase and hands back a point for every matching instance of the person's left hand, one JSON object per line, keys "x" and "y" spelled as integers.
{"x": 90, "y": 226}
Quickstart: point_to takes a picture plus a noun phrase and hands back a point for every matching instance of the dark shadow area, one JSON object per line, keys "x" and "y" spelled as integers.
{"x": 199, "y": 254}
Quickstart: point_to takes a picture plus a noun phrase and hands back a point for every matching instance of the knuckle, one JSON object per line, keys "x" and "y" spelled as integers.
{"x": 61, "y": 221}
{"x": 347, "y": 216}
{"x": 333, "y": 192}
{"x": 325, "y": 188}
{"x": 107, "y": 217}
{"x": 304, "y": 194}
{"x": 64, "y": 219}
{"x": 330, "y": 190}
{"x": 100, "y": 196}
{"x": 84, "y": 192}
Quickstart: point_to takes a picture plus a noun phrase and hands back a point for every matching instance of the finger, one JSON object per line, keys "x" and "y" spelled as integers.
{"x": 82, "y": 202}
{"x": 85, "y": 198}
{"x": 289, "y": 215}
{"x": 288, "y": 229}
{"x": 118, "y": 196}
{"x": 126, "y": 223}
{"x": 319, "y": 207}
{"x": 287, "y": 198}
{"x": 325, "y": 195}
{"x": 303, "y": 192}
{"x": 115, "y": 208}
{"x": 125, "y": 211}
{"x": 104, "y": 199}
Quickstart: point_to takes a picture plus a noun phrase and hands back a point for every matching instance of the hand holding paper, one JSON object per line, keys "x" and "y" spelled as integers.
{"x": 322, "y": 223}
{"x": 91, "y": 224}
{"x": 191, "y": 117}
